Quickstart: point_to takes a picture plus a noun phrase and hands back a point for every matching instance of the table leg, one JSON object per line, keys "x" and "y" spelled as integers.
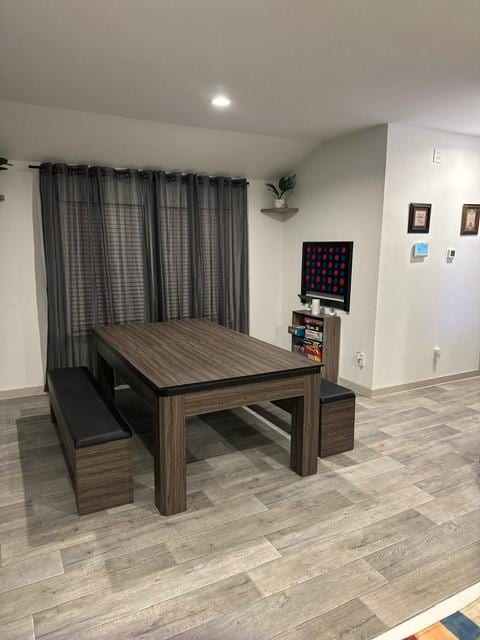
{"x": 170, "y": 455}
{"x": 305, "y": 428}
{"x": 105, "y": 377}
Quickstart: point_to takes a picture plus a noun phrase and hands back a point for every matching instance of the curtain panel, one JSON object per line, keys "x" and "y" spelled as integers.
{"x": 139, "y": 246}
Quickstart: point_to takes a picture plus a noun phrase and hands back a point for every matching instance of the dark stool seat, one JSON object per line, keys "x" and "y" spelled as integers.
{"x": 96, "y": 440}
{"x": 91, "y": 419}
{"x": 331, "y": 392}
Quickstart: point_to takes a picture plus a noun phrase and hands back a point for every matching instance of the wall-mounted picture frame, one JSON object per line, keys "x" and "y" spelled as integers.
{"x": 470, "y": 220}
{"x": 419, "y": 217}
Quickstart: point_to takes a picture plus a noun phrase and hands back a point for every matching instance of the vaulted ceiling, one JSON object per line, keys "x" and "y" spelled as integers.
{"x": 301, "y": 71}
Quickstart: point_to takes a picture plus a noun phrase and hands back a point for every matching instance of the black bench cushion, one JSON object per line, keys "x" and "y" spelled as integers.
{"x": 90, "y": 418}
{"x": 331, "y": 392}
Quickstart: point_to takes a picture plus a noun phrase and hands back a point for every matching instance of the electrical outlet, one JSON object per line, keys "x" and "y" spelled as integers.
{"x": 360, "y": 357}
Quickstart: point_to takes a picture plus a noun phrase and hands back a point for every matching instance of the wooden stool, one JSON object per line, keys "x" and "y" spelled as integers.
{"x": 337, "y": 419}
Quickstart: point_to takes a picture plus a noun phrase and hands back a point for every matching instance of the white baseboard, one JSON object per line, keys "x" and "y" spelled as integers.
{"x": 9, "y": 394}
{"x": 429, "y": 382}
{"x": 358, "y": 388}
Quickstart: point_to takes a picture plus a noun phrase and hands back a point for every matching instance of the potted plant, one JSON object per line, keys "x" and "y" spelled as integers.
{"x": 285, "y": 184}
{"x": 4, "y": 164}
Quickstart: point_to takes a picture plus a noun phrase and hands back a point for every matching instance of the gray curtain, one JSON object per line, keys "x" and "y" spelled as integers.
{"x": 139, "y": 246}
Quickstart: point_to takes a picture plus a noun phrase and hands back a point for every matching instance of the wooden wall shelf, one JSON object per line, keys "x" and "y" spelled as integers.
{"x": 279, "y": 210}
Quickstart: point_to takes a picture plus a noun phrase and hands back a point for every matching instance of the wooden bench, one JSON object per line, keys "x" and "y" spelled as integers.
{"x": 337, "y": 418}
{"x": 95, "y": 439}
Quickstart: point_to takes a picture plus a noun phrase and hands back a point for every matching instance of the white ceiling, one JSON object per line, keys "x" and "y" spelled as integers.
{"x": 295, "y": 69}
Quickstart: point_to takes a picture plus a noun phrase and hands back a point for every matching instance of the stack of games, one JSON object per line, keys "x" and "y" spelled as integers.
{"x": 312, "y": 345}
{"x": 297, "y": 330}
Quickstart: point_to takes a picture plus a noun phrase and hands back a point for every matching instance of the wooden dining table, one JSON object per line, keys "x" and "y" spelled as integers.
{"x": 191, "y": 367}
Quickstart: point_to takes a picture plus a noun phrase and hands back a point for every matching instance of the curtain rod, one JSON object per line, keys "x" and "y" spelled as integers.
{"x": 37, "y": 166}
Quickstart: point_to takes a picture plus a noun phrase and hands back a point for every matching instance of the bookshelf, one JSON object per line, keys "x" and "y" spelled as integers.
{"x": 322, "y": 340}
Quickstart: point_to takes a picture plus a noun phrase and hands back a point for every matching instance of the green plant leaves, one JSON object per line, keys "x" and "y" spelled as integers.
{"x": 285, "y": 184}
{"x": 273, "y": 189}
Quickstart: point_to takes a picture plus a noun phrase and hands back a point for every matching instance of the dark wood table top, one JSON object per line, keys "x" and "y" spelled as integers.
{"x": 189, "y": 355}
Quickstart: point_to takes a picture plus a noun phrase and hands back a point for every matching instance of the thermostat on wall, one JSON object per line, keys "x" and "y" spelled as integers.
{"x": 420, "y": 250}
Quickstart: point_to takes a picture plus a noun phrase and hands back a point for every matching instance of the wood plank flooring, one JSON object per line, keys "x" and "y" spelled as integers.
{"x": 380, "y": 534}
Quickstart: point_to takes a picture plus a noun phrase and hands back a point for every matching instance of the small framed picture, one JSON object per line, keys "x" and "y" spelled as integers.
{"x": 470, "y": 220}
{"x": 419, "y": 218}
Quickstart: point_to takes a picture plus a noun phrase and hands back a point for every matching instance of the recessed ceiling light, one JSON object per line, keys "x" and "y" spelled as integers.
{"x": 221, "y": 101}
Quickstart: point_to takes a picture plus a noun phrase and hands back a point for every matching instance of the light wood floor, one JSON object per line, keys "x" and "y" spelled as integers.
{"x": 380, "y": 534}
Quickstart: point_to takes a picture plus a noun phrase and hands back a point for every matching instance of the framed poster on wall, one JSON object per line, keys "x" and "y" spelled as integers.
{"x": 470, "y": 220}
{"x": 419, "y": 217}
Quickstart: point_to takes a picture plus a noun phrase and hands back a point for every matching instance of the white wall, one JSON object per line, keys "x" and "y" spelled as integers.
{"x": 265, "y": 266}
{"x": 399, "y": 309}
{"x": 428, "y": 303}
{"x": 340, "y": 197}
{"x": 22, "y": 304}
{"x": 20, "y": 352}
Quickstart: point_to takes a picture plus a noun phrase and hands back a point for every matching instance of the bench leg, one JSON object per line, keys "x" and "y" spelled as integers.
{"x": 103, "y": 476}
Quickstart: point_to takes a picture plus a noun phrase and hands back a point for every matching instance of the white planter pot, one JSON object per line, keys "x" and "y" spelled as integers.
{"x": 280, "y": 203}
